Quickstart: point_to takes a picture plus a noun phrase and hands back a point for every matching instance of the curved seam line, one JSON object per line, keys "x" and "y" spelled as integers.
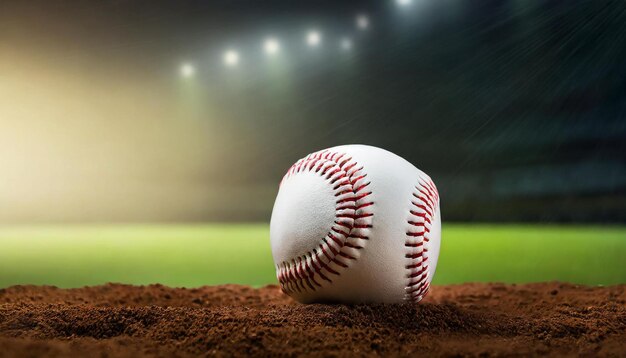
{"x": 419, "y": 270}
{"x": 290, "y": 274}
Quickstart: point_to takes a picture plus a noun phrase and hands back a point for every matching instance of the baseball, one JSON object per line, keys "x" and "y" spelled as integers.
{"x": 355, "y": 223}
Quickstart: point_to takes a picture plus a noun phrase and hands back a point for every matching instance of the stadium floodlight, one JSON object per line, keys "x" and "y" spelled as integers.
{"x": 346, "y": 44}
{"x": 187, "y": 70}
{"x": 271, "y": 46}
{"x": 403, "y": 2}
{"x": 313, "y": 38}
{"x": 362, "y": 22}
{"x": 231, "y": 58}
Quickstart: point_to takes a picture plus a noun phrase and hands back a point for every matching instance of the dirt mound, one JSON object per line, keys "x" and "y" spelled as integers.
{"x": 470, "y": 319}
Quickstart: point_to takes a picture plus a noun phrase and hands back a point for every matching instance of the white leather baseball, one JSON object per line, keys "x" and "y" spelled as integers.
{"x": 355, "y": 223}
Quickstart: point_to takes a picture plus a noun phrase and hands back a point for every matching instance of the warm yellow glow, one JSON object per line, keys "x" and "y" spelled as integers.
{"x": 79, "y": 141}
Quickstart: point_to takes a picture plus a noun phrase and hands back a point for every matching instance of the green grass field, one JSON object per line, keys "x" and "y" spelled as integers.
{"x": 195, "y": 255}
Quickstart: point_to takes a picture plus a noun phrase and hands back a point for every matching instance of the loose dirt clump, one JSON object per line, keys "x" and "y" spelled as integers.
{"x": 467, "y": 320}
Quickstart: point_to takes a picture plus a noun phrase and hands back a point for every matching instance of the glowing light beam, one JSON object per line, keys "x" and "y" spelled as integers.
{"x": 187, "y": 70}
{"x": 231, "y": 58}
{"x": 271, "y": 46}
{"x": 345, "y": 44}
{"x": 313, "y": 38}
{"x": 362, "y": 22}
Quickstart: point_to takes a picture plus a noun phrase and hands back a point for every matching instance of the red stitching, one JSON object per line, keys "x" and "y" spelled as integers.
{"x": 347, "y": 200}
{"x": 415, "y": 255}
{"x": 361, "y": 187}
{"x": 339, "y": 263}
{"x": 346, "y": 178}
{"x": 347, "y": 256}
{"x": 345, "y": 234}
{"x": 420, "y": 272}
{"x": 361, "y": 196}
{"x": 353, "y": 181}
{"x": 308, "y": 270}
{"x": 334, "y": 239}
{"x": 347, "y": 226}
{"x": 357, "y": 236}
{"x": 345, "y": 191}
{"x": 329, "y": 269}
{"x": 363, "y": 205}
{"x": 414, "y": 245}
{"x": 423, "y": 207}
{"x": 422, "y": 215}
{"x": 353, "y": 246}
{"x": 345, "y": 182}
{"x": 355, "y": 216}
{"x": 332, "y": 249}
{"x": 425, "y": 216}
{"x": 412, "y": 266}
{"x": 347, "y": 169}
{"x": 326, "y": 253}
{"x": 349, "y": 206}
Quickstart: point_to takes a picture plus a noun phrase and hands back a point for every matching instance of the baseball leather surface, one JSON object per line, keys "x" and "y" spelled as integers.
{"x": 355, "y": 223}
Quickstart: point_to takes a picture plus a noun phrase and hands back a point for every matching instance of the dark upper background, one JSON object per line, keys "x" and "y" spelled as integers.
{"x": 517, "y": 109}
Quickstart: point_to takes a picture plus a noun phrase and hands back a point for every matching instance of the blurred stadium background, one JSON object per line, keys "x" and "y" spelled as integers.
{"x": 114, "y": 114}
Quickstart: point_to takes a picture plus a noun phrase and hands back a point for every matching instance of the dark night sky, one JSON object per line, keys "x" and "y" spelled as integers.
{"x": 516, "y": 108}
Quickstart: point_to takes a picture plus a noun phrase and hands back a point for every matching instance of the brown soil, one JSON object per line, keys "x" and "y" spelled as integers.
{"x": 468, "y": 320}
